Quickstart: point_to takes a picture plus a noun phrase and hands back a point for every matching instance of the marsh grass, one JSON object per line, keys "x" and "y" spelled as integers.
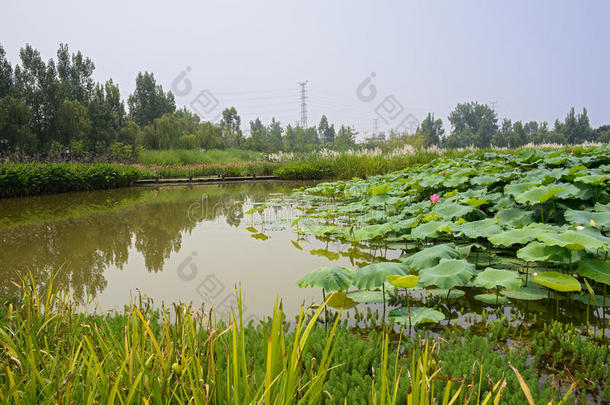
{"x": 176, "y": 157}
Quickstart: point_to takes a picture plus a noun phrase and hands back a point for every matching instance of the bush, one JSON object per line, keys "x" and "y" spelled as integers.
{"x": 24, "y": 179}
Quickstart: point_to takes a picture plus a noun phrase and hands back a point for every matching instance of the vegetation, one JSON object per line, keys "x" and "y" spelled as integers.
{"x": 55, "y": 110}
{"x": 23, "y": 179}
{"x": 505, "y": 228}
{"x": 51, "y": 353}
{"x": 178, "y": 157}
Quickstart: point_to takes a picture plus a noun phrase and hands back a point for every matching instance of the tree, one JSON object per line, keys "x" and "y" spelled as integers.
{"x": 326, "y": 132}
{"x": 275, "y": 136}
{"x": 346, "y": 138}
{"x": 603, "y": 134}
{"x": 149, "y": 101}
{"x": 6, "y": 75}
{"x": 230, "y": 126}
{"x": 73, "y": 124}
{"x": 15, "y": 133}
{"x": 258, "y": 136}
{"x": 75, "y": 75}
{"x": 473, "y": 124}
{"x": 431, "y": 130}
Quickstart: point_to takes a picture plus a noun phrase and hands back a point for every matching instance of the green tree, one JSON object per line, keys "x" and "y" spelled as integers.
{"x": 346, "y": 138}
{"x": 6, "y": 74}
{"x": 15, "y": 133}
{"x": 75, "y": 75}
{"x": 73, "y": 124}
{"x": 431, "y": 130}
{"x": 275, "y": 136}
{"x": 258, "y": 136}
{"x": 473, "y": 124}
{"x": 230, "y": 126}
{"x": 149, "y": 101}
{"x": 603, "y": 134}
{"x": 326, "y": 132}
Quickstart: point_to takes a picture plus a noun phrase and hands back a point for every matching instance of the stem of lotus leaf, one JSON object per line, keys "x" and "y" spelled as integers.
{"x": 497, "y": 294}
{"x": 527, "y": 272}
{"x": 383, "y": 292}
{"x": 325, "y": 311}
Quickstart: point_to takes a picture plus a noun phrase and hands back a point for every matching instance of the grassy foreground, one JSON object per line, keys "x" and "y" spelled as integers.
{"x": 50, "y": 353}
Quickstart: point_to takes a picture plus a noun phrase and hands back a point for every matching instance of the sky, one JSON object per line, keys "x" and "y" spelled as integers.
{"x": 393, "y": 61}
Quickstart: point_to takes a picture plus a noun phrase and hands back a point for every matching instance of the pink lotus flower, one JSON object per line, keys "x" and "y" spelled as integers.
{"x": 434, "y": 198}
{"x": 443, "y": 173}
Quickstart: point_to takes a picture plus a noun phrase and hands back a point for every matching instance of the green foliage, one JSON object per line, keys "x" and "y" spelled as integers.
{"x": 22, "y": 179}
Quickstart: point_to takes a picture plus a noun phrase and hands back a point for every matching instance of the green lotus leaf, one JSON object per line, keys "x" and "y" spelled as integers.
{"x": 557, "y": 281}
{"x": 431, "y": 256}
{"x": 595, "y": 270}
{"x": 455, "y": 181}
{"x": 382, "y": 189}
{"x": 408, "y": 281}
{"x": 430, "y": 229}
{"x": 374, "y": 275}
{"x": 511, "y": 237}
{"x": 440, "y": 292}
{"x": 572, "y": 240}
{"x": 478, "y": 229}
{"x": 515, "y": 217}
{"x": 593, "y": 179}
{"x": 452, "y": 210}
{"x": 491, "y": 299}
{"x": 537, "y": 195}
{"x": 372, "y": 231}
{"x": 597, "y": 219}
{"x": 515, "y": 189}
{"x": 449, "y": 273}
{"x": 330, "y": 278}
{"x": 539, "y": 252}
{"x": 339, "y": 300}
{"x": 526, "y": 294}
{"x": 484, "y": 180}
{"x": 475, "y": 202}
{"x": 491, "y": 278}
{"x": 417, "y": 315}
{"x": 366, "y": 296}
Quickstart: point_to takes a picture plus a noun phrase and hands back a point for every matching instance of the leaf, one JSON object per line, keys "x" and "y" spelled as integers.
{"x": 430, "y": 229}
{"x": 515, "y": 217}
{"x": 382, "y": 189}
{"x": 511, "y": 237}
{"x": 339, "y": 300}
{"x": 537, "y": 195}
{"x": 431, "y": 256}
{"x": 478, "y": 229}
{"x": 330, "y": 278}
{"x": 600, "y": 219}
{"x": 418, "y": 315}
{"x": 441, "y": 292}
{"x": 526, "y": 294}
{"x": 491, "y": 278}
{"x": 557, "y": 281}
{"x": 374, "y": 275}
{"x": 595, "y": 270}
{"x": 491, "y": 299}
{"x": 598, "y": 301}
{"x": 539, "y": 252}
{"x": 372, "y": 231}
{"x": 451, "y": 210}
{"x": 366, "y": 296}
{"x": 449, "y": 273}
{"x": 572, "y": 240}
{"x": 408, "y": 281}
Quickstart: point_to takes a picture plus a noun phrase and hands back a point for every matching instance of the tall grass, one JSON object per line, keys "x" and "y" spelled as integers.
{"x": 177, "y": 157}
{"x": 23, "y": 179}
{"x": 52, "y": 353}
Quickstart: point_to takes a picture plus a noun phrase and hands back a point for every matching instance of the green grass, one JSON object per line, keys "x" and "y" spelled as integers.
{"x": 52, "y": 353}
{"x": 24, "y": 179}
{"x": 178, "y": 157}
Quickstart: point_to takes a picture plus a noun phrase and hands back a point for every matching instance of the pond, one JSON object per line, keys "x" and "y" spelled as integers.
{"x": 190, "y": 244}
{"x": 197, "y": 244}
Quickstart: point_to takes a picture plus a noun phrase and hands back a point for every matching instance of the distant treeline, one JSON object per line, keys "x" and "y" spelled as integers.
{"x": 55, "y": 109}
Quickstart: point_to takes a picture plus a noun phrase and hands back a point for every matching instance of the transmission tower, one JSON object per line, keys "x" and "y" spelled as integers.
{"x": 303, "y": 104}
{"x": 375, "y": 126}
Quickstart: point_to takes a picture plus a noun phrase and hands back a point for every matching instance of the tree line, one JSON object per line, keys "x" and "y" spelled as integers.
{"x": 55, "y": 108}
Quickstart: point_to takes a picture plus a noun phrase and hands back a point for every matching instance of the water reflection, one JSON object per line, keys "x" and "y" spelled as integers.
{"x": 79, "y": 236}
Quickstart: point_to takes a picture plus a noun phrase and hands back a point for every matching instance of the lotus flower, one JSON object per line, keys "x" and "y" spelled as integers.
{"x": 443, "y": 173}
{"x": 434, "y": 198}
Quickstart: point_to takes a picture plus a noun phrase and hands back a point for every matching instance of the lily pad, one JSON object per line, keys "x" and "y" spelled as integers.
{"x": 374, "y": 275}
{"x": 440, "y": 292}
{"x": 595, "y": 270}
{"x": 367, "y": 296}
{"x": 417, "y": 315}
{"x": 408, "y": 281}
{"x": 491, "y": 299}
{"x": 572, "y": 240}
{"x": 449, "y": 273}
{"x": 511, "y": 237}
{"x": 526, "y": 294}
{"x": 557, "y": 281}
{"x": 430, "y": 257}
{"x": 330, "y": 278}
{"x": 491, "y": 278}
{"x": 339, "y": 300}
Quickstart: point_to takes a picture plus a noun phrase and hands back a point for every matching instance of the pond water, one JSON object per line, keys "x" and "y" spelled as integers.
{"x": 193, "y": 244}
{"x": 190, "y": 244}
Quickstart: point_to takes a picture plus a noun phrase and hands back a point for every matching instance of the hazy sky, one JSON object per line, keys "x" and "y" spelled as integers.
{"x": 536, "y": 59}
